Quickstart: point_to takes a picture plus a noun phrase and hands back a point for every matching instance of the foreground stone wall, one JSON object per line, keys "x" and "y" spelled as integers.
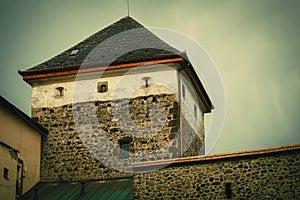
{"x": 84, "y": 138}
{"x": 274, "y": 175}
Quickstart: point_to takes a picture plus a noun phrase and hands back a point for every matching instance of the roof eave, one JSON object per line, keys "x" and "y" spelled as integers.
{"x": 13, "y": 109}
{"x": 29, "y": 76}
{"x": 191, "y": 73}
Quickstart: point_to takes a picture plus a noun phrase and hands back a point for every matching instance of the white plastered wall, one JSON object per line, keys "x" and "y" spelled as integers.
{"x": 129, "y": 84}
{"x": 189, "y": 101}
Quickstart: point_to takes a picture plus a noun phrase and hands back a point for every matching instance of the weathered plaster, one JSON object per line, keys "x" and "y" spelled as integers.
{"x": 125, "y": 85}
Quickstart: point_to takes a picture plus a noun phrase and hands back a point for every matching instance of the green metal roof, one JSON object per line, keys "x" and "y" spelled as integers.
{"x": 106, "y": 190}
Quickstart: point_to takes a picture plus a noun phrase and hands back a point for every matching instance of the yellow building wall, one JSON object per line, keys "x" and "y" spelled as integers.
{"x": 19, "y": 135}
{"x": 7, "y": 186}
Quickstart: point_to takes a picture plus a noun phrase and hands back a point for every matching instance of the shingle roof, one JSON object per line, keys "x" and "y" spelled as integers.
{"x": 155, "y": 48}
{"x": 111, "y": 189}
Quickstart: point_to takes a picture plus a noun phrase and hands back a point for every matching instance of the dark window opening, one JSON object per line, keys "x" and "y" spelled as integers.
{"x": 147, "y": 83}
{"x": 195, "y": 111}
{"x": 19, "y": 178}
{"x": 183, "y": 92}
{"x": 228, "y": 190}
{"x": 60, "y": 91}
{"x": 5, "y": 173}
{"x": 125, "y": 147}
{"x": 146, "y": 79}
{"x": 102, "y": 87}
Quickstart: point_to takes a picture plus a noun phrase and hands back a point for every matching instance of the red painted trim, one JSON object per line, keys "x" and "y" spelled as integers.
{"x": 292, "y": 147}
{"x": 101, "y": 68}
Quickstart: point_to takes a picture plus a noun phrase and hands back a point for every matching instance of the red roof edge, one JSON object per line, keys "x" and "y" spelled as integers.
{"x": 198, "y": 159}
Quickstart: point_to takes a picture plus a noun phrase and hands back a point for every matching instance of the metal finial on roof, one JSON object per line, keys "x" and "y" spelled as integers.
{"x": 128, "y": 10}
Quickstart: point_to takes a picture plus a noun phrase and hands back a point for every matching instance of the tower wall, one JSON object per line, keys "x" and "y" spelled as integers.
{"x": 192, "y": 118}
{"x": 84, "y": 152}
{"x": 86, "y": 128}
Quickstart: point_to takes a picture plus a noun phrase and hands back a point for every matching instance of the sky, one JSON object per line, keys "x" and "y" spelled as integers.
{"x": 254, "y": 43}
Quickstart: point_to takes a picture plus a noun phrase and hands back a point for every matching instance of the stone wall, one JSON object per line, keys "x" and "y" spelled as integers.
{"x": 63, "y": 152}
{"x": 192, "y": 141}
{"x": 259, "y": 175}
{"x": 84, "y": 138}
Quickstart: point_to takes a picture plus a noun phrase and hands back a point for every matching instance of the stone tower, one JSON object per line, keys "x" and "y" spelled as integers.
{"x": 119, "y": 97}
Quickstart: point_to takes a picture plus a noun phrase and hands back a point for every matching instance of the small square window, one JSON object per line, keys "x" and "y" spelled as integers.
{"x": 146, "y": 79}
{"x": 102, "y": 87}
{"x": 124, "y": 146}
{"x": 5, "y": 173}
{"x": 59, "y": 92}
{"x": 74, "y": 52}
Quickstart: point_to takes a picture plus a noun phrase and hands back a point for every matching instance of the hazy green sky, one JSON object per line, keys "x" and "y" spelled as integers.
{"x": 254, "y": 43}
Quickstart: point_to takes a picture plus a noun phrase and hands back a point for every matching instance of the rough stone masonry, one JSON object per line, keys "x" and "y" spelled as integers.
{"x": 65, "y": 153}
{"x": 270, "y": 174}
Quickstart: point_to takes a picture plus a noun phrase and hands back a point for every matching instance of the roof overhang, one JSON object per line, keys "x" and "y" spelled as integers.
{"x": 198, "y": 86}
{"x": 29, "y": 76}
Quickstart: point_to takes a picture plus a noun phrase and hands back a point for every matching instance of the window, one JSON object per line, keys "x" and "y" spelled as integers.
{"x": 228, "y": 190}
{"x": 19, "y": 178}
{"x": 146, "y": 79}
{"x": 195, "y": 111}
{"x": 59, "y": 92}
{"x": 183, "y": 92}
{"x": 74, "y": 52}
{"x": 5, "y": 173}
{"x": 125, "y": 147}
{"x": 102, "y": 87}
